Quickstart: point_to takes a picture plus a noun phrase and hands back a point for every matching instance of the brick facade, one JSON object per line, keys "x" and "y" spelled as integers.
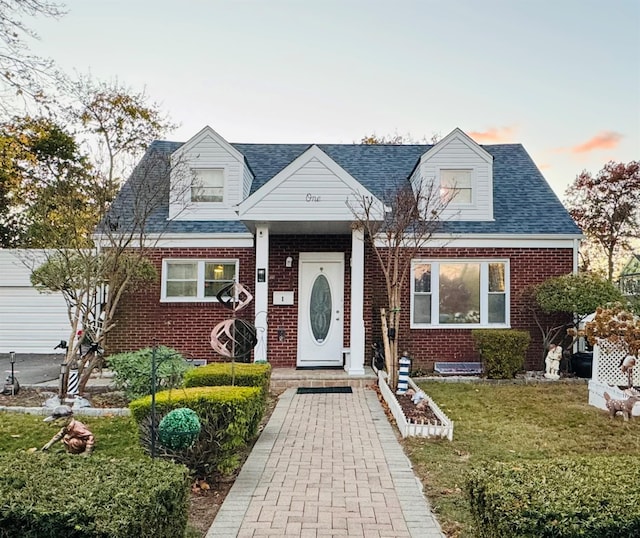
{"x": 143, "y": 320}
{"x": 528, "y": 266}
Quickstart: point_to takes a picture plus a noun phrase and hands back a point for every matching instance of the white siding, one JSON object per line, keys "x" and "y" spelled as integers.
{"x": 207, "y": 150}
{"x": 30, "y": 322}
{"x": 248, "y": 181}
{"x": 312, "y": 192}
{"x": 461, "y": 153}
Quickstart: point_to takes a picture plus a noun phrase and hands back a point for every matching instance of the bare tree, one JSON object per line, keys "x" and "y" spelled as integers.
{"x": 117, "y": 125}
{"x": 396, "y": 230}
{"x": 93, "y": 280}
{"x": 21, "y": 73}
{"x": 397, "y": 139}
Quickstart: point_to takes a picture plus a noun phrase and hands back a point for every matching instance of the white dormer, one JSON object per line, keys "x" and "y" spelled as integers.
{"x": 313, "y": 191}
{"x": 209, "y": 178}
{"x": 462, "y": 171}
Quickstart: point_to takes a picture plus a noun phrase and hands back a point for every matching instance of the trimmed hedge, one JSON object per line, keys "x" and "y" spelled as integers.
{"x": 220, "y": 373}
{"x": 229, "y": 418}
{"x": 596, "y": 496}
{"x": 502, "y": 351}
{"x": 50, "y": 495}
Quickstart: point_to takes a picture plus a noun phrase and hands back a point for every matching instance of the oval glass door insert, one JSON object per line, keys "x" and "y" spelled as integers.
{"x": 320, "y": 308}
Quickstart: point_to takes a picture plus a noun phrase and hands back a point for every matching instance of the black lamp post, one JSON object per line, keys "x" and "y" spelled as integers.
{"x": 153, "y": 402}
{"x": 12, "y": 358}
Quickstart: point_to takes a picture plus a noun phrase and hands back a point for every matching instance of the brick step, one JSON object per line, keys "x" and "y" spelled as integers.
{"x": 284, "y": 378}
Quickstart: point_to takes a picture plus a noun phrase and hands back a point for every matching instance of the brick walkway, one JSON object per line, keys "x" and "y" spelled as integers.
{"x": 326, "y": 465}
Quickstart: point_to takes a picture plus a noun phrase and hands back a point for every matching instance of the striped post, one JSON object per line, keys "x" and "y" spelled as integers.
{"x": 403, "y": 374}
{"x": 74, "y": 383}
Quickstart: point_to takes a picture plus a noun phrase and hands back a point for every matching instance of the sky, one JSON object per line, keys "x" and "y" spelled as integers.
{"x": 561, "y": 77}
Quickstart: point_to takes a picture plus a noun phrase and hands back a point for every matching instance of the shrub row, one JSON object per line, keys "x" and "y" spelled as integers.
{"x": 51, "y": 495}
{"x": 596, "y": 496}
{"x": 226, "y": 373}
{"x": 229, "y": 418}
{"x": 502, "y": 351}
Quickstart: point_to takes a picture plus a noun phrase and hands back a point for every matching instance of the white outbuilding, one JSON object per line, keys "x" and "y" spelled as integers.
{"x": 30, "y": 321}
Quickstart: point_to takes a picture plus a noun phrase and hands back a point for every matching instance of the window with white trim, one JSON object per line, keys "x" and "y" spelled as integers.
{"x": 454, "y": 293}
{"x": 207, "y": 185}
{"x": 456, "y": 187}
{"x": 185, "y": 280}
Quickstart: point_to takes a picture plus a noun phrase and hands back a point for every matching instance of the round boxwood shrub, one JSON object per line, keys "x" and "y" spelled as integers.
{"x": 179, "y": 429}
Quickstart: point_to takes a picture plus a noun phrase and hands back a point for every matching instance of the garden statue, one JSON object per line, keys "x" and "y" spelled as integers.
{"x": 552, "y": 362}
{"x": 626, "y": 366}
{"x": 74, "y": 434}
{"x": 624, "y": 407}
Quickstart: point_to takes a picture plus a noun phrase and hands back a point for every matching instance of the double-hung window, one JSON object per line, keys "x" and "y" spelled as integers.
{"x": 185, "y": 280}
{"x": 454, "y": 293}
{"x": 456, "y": 187}
{"x": 207, "y": 185}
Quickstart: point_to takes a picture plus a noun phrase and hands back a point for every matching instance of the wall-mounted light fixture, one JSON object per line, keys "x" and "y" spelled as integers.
{"x": 288, "y": 262}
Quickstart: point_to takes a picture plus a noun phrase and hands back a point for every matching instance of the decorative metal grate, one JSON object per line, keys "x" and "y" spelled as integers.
{"x": 607, "y": 358}
{"x": 458, "y": 368}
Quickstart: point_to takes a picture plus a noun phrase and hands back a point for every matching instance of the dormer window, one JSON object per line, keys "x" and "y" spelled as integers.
{"x": 456, "y": 187}
{"x": 207, "y": 185}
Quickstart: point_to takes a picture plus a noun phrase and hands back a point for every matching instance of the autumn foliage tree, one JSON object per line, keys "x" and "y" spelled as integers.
{"x": 47, "y": 185}
{"x": 620, "y": 328}
{"x": 118, "y": 125}
{"x": 606, "y": 206}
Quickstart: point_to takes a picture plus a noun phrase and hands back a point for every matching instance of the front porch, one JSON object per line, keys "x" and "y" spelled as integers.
{"x": 284, "y": 378}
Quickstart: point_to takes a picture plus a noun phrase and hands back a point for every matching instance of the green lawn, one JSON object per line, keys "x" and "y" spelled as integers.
{"x": 508, "y": 422}
{"x": 115, "y": 436}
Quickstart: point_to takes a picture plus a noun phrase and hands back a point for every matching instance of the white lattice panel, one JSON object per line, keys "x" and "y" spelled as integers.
{"x": 606, "y": 365}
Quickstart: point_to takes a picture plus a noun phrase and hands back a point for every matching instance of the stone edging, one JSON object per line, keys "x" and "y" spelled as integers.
{"x": 529, "y": 380}
{"x": 84, "y": 411}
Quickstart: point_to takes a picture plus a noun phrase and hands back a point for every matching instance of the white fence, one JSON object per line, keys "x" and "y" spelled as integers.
{"x": 608, "y": 377}
{"x": 407, "y": 428}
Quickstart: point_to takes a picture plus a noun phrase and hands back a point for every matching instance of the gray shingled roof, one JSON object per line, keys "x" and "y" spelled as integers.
{"x": 523, "y": 201}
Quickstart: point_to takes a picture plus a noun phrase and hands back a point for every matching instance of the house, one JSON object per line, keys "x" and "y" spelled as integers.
{"x": 629, "y": 281}
{"x": 274, "y": 217}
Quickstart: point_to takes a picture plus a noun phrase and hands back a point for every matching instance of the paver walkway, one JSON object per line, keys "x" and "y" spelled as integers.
{"x": 326, "y": 465}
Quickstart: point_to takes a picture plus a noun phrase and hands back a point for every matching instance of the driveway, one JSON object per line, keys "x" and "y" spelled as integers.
{"x": 31, "y": 369}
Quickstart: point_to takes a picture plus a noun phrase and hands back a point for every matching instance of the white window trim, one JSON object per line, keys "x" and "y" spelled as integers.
{"x": 484, "y": 294}
{"x": 200, "y": 297}
{"x": 474, "y": 185}
{"x": 225, "y": 175}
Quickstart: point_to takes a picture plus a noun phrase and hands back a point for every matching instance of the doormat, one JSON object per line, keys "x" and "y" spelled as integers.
{"x": 324, "y": 390}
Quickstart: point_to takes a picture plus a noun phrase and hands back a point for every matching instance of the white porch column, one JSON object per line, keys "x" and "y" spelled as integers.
{"x": 261, "y": 296}
{"x": 354, "y": 364}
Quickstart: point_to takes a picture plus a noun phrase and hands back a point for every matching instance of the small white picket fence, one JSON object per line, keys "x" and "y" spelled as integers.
{"x": 424, "y": 429}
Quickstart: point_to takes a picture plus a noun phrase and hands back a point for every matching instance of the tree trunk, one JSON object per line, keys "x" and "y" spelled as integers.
{"x": 388, "y": 356}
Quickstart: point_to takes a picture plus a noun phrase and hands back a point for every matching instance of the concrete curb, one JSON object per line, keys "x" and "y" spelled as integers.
{"x": 83, "y": 411}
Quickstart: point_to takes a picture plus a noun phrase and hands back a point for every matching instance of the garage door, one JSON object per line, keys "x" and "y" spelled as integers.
{"x": 30, "y": 322}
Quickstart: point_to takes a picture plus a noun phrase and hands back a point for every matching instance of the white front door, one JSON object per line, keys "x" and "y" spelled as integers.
{"x": 320, "y": 309}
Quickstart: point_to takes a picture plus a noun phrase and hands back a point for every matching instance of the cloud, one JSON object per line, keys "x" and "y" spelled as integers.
{"x": 603, "y": 140}
{"x": 493, "y": 134}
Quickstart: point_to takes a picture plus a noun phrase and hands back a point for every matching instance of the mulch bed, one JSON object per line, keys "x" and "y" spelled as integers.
{"x": 36, "y": 397}
{"x": 415, "y": 414}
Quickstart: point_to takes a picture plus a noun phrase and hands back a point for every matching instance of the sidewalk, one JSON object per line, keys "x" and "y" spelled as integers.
{"x": 326, "y": 465}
